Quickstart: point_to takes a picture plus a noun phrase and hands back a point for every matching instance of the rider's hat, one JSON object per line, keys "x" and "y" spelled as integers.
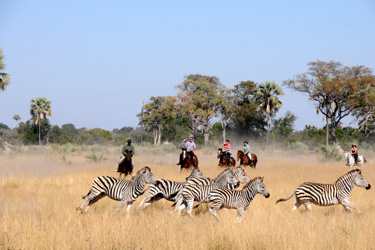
{"x": 129, "y": 140}
{"x": 354, "y": 145}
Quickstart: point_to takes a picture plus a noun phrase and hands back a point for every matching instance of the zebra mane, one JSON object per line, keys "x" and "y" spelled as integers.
{"x": 222, "y": 173}
{"x": 351, "y": 172}
{"x": 251, "y": 181}
{"x": 139, "y": 171}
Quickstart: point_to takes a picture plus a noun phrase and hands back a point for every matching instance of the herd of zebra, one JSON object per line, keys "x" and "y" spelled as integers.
{"x": 221, "y": 191}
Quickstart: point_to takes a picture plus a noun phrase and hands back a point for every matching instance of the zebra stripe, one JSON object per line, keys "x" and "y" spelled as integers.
{"x": 239, "y": 199}
{"x": 191, "y": 192}
{"x": 125, "y": 191}
{"x": 167, "y": 189}
{"x": 329, "y": 194}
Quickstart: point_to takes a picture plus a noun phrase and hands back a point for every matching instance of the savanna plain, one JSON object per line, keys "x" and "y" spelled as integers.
{"x": 40, "y": 188}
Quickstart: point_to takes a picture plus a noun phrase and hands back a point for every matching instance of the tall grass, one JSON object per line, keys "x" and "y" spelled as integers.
{"x": 37, "y": 208}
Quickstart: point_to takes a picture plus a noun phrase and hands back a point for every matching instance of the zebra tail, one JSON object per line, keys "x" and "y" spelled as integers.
{"x": 285, "y": 199}
{"x": 198, "y": 204}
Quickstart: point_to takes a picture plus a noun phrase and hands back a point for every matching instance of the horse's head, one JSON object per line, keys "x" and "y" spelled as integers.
{"x": 219, "y": 152}
{"x": 347, "y": 156}
{"x": 128, "y": 155}
{"x": 184, "y": 154}
{"x": 239, "y": 154}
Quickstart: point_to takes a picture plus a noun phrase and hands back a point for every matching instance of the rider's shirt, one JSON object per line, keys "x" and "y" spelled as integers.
{"x": 128, "y": 148}
{"x": 246, "y": 148}
{"x": 226, "y": 147}
{"x": 189, "y": 146}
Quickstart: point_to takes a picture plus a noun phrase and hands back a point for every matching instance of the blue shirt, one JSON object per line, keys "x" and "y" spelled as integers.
{"x": 189, "y": 146}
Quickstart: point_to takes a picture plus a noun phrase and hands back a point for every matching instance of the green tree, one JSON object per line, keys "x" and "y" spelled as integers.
{"x": 70, "y": 131}
{"x": 200, "y": 99}
{"x": 39, "y": 109}
{"x": 268, "y": 102}
{"x": 283, "y": 127}
{"x": 247, "y": 121}
{"x": 338, "y": 90}
{"x": 155, "y": 113}
{"x": 4, "y": 77}
{"x": 16, "y": 118}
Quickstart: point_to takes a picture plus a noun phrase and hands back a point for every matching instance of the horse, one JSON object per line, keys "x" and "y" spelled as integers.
{"x": 126, "y": 166}
{"x": 224, "y": 159}
{"x": 351, "y": 162}
{"x": 185, "y": 160}
{"x": 245, "y": 161}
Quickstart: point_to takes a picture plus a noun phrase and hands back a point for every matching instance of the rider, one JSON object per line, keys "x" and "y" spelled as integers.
{"x": 226, "y": 150}
{"x": 246, "y": 151}
{"x": 190, "y": 148}
{"x": 354, "y": 153}
{"x": 129, "y": 148}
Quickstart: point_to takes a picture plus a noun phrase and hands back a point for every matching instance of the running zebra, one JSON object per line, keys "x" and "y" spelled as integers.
{"x": 166, "y": 188}
{"x": 329, "y": 194}
{"x": 239, "y": 199}
{"x": 125, "y": 191}
{"x": 192, "y": 192}
{"x": 239, "y": 172}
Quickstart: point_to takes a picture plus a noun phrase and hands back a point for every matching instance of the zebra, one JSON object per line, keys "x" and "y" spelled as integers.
{"x": 191, "y": 192}
{"x": 329, "y": 194}
{"x": 125, "y": 191}
{"x": 239, "y": 199}
{"x": 239, "y": 172}
{"x": 166, "y": 188}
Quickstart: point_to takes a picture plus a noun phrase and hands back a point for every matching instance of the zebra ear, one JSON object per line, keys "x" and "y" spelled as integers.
{"x": 262, "y": 178}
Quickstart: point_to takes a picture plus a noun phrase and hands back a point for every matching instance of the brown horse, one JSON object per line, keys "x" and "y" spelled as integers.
{"x": 244, "y": 160}
{"x": 185, "y": 160}
{"x": 224, "y": 159}
{"x": 126, "y": 166}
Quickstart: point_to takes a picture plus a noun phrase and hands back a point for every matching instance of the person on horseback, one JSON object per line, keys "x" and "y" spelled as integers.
{"x": 128, "y": 148}
{"x": 354, "y": 153}
{"x": 246, "y": 151}
{"x": 226, "y": 151}
{"x": 190, "y": 148}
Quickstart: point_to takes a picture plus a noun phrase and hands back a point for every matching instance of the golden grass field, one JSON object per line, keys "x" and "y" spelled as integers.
{"x": 39, "y": 194}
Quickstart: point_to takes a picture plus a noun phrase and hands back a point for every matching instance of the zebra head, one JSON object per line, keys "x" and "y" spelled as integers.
{"x": 258, "y": 185}
{"x": 146, "y": 175}
{"x": 196, "y": 173}
{"x": 360, "y": 181}
{"x": 241, "y": 175}
{"x": 228, "y": 177}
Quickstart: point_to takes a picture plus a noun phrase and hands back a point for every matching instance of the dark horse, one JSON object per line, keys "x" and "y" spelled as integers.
{"x": 224, "y": 159}
{"x": 244, "y": 160}
{"x": 125, "y": 166}
{"x": 185, "y": 160}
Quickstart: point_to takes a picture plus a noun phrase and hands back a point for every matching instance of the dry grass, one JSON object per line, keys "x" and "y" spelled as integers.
{"x": 39, "y": 194}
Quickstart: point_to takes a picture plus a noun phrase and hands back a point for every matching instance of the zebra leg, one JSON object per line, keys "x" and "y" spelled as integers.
{"x": 130, "y": 203}
{"x": 213, "y": 211}
{"x": 91, "y": 199}
{"x": 150, "y": 195}
{"x": 240, "y": 212}
{"x": 190, "y": 203}
{"x": 296, "y": 206}
{"x": 308, "y": 206}
{"x": 348, "y": 205}
{"x": 121, "y": 205}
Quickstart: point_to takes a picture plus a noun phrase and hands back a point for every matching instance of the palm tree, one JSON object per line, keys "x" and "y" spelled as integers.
{"x": 40, "y": 108}
{"x": 16, "y": 117}
{"x": 4, "y": 77}
{"x": 267, "y": 99}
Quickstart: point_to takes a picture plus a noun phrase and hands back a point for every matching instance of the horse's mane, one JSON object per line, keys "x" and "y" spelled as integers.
{"x": 349, "y": 173}
{"x": 251, "y": 181}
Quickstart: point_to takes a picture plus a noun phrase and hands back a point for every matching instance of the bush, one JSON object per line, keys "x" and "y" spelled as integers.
{"x": 328, "y": 153}
{"x": 298, "y": 147}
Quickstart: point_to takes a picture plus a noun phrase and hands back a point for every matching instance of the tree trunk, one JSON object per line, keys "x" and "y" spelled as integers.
{"x": 159, "y": 135}
{"x": 206, "y": 137}
{"x": 224, "y": 132}
{"x": 327, "y": 132}
{"x": 333, "y": 134}
{"x": 268, "y": 129}
{"x": 39, "y": 128}
{"x": 155, "y": 134}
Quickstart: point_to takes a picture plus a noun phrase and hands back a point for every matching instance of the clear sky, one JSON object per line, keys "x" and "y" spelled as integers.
{"x": 96, "y": 61}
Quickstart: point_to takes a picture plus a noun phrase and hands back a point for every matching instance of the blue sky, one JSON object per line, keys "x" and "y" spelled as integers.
{"x": 96, "y": 61}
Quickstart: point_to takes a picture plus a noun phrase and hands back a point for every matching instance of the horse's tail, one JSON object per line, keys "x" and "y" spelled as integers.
{"x": 285, "y": 199}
